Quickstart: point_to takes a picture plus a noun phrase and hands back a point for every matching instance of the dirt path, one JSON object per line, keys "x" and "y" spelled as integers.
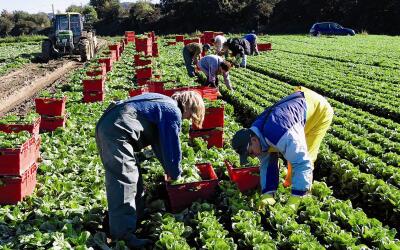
{"x": 24, "y": 83}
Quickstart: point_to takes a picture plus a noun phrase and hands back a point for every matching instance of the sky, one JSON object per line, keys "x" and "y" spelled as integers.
{"x": 34, "y": 6}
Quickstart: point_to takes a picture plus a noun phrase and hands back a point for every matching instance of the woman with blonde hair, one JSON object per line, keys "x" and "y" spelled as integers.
{"x": 127, "y": 127}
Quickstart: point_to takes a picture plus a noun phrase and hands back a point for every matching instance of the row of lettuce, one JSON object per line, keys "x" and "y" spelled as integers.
{"x": 72, "y": 172}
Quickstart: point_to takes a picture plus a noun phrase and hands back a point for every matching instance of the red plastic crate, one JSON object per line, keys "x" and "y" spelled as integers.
{"x": 116, "y": 48}
{"x": 171, "y": 43}
{"x": 14, "y": 188}
{"x": 192, "y": 40}
{"x": 155, "y": 50}
{"x": 179, "y": 38}
{"x": 129, "y": 33}
{"x": 93, "y": 84}
{"x": 213, "y": 118}
{"x": 50, "y": 106}
{"x": 264, "y": 46}
{"x": 157, "y": 87}
{"x": 245, "y": 178}
{"x": 144, "y": 73}
{"x": 213, "y": 137}
{"x": 108, "y": 62}
{"x": 181, "y": 196}
{"x": 101, "y": 70}
{"x": 49, "y": 123}
{"x": 15, "y": 161}
{"x": 141, "y": 62}
{"x": 16, "y": 127}
{"x": 96, "y": 96}
{"x": 135, "y": 92}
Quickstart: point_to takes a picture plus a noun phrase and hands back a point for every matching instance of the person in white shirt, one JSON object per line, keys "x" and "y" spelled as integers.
{"x": 218, "y": 43}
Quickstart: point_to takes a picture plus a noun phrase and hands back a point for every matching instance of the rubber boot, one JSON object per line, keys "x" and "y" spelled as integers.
{"x": 288, "y": 179}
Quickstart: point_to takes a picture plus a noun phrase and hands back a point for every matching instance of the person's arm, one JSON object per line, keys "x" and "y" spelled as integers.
{"x": 170, "y": 147}
{"x": 196, "y": 55}
{"x": 293, "y": 146}
{"x": 227, "y": 81}
{"x": 269, "y": 173}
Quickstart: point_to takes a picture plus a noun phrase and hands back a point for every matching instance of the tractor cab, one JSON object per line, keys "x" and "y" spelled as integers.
{"x": 68, "y": 29}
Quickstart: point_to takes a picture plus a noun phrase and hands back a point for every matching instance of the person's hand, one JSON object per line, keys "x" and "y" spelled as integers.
{"x": 294, "y": 202}
{"x": 265, "y": 201}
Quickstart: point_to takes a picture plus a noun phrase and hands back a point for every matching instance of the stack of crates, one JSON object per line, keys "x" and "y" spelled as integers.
{"x": 212, "y": 130}
{"x": 144, "y": 44}
{"x": 52, "y": 112}
{"x": 18, "y": 166}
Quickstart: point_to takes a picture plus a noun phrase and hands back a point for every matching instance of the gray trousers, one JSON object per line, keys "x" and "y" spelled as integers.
{"x": 117, "y": 133}
{"x": 188, "y": 58}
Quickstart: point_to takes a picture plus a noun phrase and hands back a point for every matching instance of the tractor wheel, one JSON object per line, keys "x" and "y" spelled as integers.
{"x": 46, "y": 51}
{"x": 84, "y": 50}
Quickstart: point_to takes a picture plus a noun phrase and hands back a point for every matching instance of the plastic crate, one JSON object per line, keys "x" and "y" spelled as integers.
{"x": 129, "y": 33}
{"x": 141, "y": 62}
{"x": 213, "y": 118}
{"x": 96, "y": 96}
{"x": 155, "y": 49}
{"x": 100, "y": 71}
{"x": 264, "y": 46}
{"x": 15, "y": 161}
{"x": 14, "y": 188}
{"x": 116, "y": 48}
{"x": 93, "y": 84}
{"x": 16, "y": 127}
{"x": 169, "y": 43}
{"x": 245, "y": 178}
{"x": 156, "y": 87}
{"x": 144, "y": 73}
{"x": 50, "y": 106}
{"x": 49, "y": 123}
{"x": 107, "y": 62}
{"x": 181, "y": 196}
{"x": 135, "y": 92}
{"x": 192, "y": 40}
{"x": 213, "y": 137}
{"x": 178, "y": 38}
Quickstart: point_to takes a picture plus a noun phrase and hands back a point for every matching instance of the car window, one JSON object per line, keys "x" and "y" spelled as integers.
{"x": 324, "y": 26}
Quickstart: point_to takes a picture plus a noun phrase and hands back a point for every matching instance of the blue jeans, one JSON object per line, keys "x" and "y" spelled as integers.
{"x": 116, "y": 133}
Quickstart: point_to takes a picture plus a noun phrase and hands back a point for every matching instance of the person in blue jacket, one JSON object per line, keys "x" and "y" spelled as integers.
{"x": 124, "y": 129}
{"x": 293, "y": 127}
{"x": 252, "y": 38}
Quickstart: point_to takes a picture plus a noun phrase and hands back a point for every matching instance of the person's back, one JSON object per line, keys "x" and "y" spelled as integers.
{"x": 250, "y": 37}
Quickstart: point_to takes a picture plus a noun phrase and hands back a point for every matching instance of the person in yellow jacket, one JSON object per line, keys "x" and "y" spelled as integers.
{"x": 294, "y": 127}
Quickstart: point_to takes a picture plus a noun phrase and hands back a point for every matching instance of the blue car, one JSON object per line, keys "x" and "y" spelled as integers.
{"x": 329, "y": 28}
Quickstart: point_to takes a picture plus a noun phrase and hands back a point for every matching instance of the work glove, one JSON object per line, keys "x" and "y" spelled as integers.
{"x": 294, "y": 202}
{"x": 265, "y": 201}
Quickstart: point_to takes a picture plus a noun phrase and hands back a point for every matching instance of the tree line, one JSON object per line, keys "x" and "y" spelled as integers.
{"x": 111, "y": 17}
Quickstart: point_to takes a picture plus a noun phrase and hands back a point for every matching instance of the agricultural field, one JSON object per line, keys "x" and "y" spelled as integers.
{"x": 355, "y": 199}
{"x": 14, "y": 53}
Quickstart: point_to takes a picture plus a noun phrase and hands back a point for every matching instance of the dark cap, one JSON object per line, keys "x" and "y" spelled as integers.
{"x": 206, "y": 47}
{"x": 240, "y": 143}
